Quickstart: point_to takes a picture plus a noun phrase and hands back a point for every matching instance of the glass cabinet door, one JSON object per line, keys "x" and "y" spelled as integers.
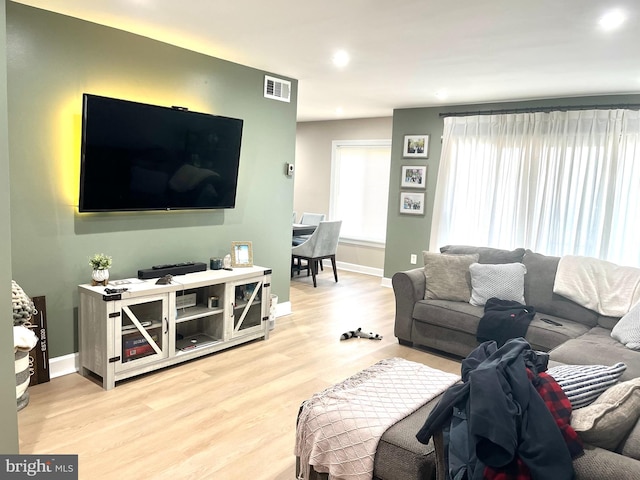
{"x": 248, "y": 307}
{"x": 142, "y": 332}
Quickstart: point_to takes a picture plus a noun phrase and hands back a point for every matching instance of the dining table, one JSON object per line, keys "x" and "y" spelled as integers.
{"x": 302, "y": 229}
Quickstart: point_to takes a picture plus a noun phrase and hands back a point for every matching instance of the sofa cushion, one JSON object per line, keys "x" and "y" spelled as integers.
{"x": 607, "y": 322}
{"x": 544, "y": 336}
{"x": 400, "y": 456}
{"x": 584, "y": 383}
{"x": 487, "y": 254}
{"x": 447, "y": 276}
{"x": 459, "y": 316}
{"x": 610, "y": 417}
{"x": 538, "y": 290}
{"x": 627, "y": 330}
{"x": 596, "y": 347}
{"x": 630, "y": 446}
{"x": 504, "y": 281}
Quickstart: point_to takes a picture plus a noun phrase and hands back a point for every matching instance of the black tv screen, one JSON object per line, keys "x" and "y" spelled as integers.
{"x": 145, "y": 157}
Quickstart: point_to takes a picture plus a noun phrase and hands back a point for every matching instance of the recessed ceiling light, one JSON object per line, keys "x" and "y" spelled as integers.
{"x": 340, "y": 58}
{"x": 612, "y": 20}
{"x": 339, "y": 111}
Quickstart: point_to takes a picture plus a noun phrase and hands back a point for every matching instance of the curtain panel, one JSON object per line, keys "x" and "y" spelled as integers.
{"x": 564, "y": 182}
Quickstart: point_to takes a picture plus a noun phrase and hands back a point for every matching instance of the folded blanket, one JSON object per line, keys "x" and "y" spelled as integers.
{"x": 598, "y": 285}
{"x": 339, "y": 428}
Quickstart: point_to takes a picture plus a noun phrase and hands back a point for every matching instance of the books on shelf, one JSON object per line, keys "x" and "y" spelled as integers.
{"x": 137, "y": 347}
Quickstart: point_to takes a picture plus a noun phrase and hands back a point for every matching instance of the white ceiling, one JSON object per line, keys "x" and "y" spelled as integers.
{"x": 402, "y": 51}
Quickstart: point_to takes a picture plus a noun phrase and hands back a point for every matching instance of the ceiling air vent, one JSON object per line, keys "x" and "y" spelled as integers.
{"x": 277, "y": 89}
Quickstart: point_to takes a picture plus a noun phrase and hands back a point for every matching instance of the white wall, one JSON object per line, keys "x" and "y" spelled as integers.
{"x": 313, "y": 176}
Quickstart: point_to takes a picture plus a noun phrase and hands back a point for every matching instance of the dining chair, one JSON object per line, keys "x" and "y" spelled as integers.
{"x": 312, "y": 218}
{"x": 307, "y": 219}
{"x": 321, "y": 244}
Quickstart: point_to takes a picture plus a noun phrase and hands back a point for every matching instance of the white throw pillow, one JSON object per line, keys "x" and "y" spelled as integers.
{"x": 504, "y": 281}
{"x": 627, "y": 330}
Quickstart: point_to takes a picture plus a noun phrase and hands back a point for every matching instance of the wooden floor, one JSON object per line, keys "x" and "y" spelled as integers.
{"x": 230, "y": 415}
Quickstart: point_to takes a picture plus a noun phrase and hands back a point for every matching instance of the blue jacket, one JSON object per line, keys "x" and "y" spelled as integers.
{"x": 499, "y": 415}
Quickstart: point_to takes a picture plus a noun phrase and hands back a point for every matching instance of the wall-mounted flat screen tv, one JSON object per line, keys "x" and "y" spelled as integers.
{"x": 145, "y": 157}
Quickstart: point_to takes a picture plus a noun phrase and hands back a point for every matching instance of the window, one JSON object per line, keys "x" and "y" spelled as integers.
{"x": 360, "y": 188}
{"x": 558, "y": 183}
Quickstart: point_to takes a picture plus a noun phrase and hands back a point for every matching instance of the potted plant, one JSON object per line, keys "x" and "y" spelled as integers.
{"x": 100, "y": 263}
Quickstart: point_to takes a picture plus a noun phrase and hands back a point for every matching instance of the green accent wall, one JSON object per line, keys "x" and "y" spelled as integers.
{"x": 8, "y": 409}
{"x": 54, "y": 59}
{"x": 410, "y": 234}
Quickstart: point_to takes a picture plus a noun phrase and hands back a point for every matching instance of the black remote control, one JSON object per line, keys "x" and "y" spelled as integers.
{"x": 551, "y": 322}
{"x": 111, "y": 291}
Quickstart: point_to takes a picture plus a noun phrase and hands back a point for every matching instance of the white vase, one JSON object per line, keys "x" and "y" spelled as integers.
{"x": 100, "y": 277}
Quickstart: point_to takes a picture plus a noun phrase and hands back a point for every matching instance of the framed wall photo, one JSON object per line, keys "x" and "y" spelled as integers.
{"x": 241, "y": 254}
{"x": 412, "y": 203}
{"x": 416, "y": 146}
{"x": 414, "y": 176}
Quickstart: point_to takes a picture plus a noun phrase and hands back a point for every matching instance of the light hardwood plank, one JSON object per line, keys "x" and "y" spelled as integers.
{"x": 230, "y": 415}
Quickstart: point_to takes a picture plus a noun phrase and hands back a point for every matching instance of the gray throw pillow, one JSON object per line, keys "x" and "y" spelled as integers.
{"x": 504, "y": 281}
{"x": 447, "y": 276}
{"x": 627, "y": 330}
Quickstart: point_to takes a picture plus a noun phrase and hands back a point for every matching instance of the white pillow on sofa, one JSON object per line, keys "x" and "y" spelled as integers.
{"x": 504, "y": 281}
{"x": 627, "y": 330}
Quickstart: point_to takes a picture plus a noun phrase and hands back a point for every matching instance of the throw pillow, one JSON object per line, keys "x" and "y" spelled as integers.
{"x": 447, "y": 276}
{"x": 504, "y": 281}
{"x": 607, "y": 421}
{"x": 584, "y": 383}
{"x": 627, "y": 330}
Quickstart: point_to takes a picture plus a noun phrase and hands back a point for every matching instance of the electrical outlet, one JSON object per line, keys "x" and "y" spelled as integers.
{"x": 414, "y": 259}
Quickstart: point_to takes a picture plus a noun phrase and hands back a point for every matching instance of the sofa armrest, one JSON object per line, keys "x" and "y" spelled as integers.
{"x": 408, "y": 288}
{"x": 597, "y": 463}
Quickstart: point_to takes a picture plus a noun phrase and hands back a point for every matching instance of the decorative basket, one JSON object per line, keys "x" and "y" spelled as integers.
{"x": 23, "y": 308}
{"x": 23, "y": 375}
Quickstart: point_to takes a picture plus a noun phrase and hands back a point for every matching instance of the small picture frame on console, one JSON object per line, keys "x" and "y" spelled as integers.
{"x": 241, "y": 254}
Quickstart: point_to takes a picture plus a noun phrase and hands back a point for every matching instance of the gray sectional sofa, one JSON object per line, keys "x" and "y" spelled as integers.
{"x": 583, "y": 337}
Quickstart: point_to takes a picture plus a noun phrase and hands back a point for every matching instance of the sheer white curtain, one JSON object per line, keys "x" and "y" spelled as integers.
{"x": 558, "y": 183}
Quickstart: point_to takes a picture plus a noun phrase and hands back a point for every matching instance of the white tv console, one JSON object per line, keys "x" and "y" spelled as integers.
{"x": 151, "y": 326}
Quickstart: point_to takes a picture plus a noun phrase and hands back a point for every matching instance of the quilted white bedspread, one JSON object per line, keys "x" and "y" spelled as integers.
{"x": 339, "y": 428}
{"x": 602, "y": 286}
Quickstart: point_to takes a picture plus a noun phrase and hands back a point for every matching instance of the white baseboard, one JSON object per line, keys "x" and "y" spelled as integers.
{"x": 64, "y": 365}
{"x": 283, "y": 309}
{"x": 352, "y": 267}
